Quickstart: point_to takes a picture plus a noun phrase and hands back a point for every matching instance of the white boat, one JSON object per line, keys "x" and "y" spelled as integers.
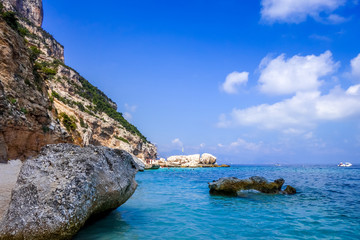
{"x": 347, "y": 164}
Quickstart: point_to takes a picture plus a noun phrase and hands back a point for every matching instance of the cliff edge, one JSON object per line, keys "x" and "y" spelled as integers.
{"x": 44, "y": 101}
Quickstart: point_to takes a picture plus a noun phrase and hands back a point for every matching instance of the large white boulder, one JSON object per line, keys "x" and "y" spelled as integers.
{"x": 207, "y": 158}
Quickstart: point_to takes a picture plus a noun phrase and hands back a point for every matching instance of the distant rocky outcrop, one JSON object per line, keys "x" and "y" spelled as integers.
{"x": 231, "y": 186}
{"x": 191, "y": 161}
{"x": 44, "y": 101}
{"x": 57, "y": 192}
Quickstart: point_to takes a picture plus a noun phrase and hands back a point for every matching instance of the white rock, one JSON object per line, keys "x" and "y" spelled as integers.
{"x": 207, "y": 158}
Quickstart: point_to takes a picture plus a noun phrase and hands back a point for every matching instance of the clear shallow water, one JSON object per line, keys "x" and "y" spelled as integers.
{"x": 175, "y": 204}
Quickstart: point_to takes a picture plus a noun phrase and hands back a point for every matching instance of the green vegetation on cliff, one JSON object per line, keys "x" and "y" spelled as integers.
{"x": 46, "y": 71}
{"x": 68, "y": 122}
{"x": 102, "y": 104}
{"x": 11, "y": 19}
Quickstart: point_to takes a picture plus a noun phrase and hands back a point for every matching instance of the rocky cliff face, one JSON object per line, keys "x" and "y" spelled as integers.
{"x": 31, "y": 10}
{"x": 25, "y": 115}
{"x": 44, "y": 101}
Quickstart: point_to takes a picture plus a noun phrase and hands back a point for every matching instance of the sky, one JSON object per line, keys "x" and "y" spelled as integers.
{"x": 251, "y": 82}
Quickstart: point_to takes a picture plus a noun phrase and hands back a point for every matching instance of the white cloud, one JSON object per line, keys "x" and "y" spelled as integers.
{"x": 177, "y": 142}
{"x": 245, "y": 144}
{"x": 335, "y": 19}
{"x": 202, "y": 145}
{"x": 309, "y": 135}
{"x": 299, "y": 73}
{"x": 320, "y": 37}
{"x": 233, "y": 81}
{"x": 130, "y": 108}
{"x": 296, "y": 11}
{"x": 353, "y": 90}
{"x": 355, "y": 66}
{"x": 127, "y": 116}
{"x": 304, "y": 110}
{"x": 293, "y": 131}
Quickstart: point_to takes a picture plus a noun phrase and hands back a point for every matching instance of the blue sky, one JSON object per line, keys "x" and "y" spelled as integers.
{"x": 248, "y": 81}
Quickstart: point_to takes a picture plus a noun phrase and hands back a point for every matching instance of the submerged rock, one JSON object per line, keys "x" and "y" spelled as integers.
{"x": 57, "y": 192}
{"x": 289, "y": 190}
{"x": 231, "y": 186}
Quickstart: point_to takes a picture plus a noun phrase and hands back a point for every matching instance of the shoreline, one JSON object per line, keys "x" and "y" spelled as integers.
{"x": 8, "y": 176}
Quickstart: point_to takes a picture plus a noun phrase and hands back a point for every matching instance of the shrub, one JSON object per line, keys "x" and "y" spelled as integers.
{"x": 49, "y": 71}
{"x": 34, "y": 54}
{"x": 83, "y": 124}
{"x": 23, "y": 31}
{"x": 24, "y": 110}
{"x": 10, "y": 19}
{"x": 45, "y": 129}
{"x": 68, "y": 122}
{"x": 13, "y": 100}
{"x": 80, "y": 106}
{"x": 121, "y": 139}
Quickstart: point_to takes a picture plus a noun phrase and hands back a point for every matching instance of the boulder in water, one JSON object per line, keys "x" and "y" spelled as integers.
{"x": 207, "y": 158}
{"x": 289, "y": 190}
{"x": 231, "y": 186}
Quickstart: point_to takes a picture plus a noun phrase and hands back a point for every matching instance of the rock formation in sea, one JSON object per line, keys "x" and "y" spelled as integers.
{"x": 231, "y": 186}
{"x": 191, "y": 161}
{"x": 66, "y": 185}
{"x": 44, "y": 101}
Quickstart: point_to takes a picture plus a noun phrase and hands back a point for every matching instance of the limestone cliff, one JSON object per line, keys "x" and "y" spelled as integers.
{"x": 28, "y": 9}
{"x": 44, "y": 101}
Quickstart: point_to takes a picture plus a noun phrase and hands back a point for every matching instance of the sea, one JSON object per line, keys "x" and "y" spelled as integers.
{"x": 175, "y": 204}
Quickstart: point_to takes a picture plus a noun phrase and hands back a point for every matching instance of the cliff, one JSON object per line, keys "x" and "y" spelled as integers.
{"x": 44, "y": 101}
{"x": 32, "y": 10}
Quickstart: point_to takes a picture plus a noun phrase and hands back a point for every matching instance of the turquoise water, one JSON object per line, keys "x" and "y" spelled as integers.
{"x": 175, "y": 204}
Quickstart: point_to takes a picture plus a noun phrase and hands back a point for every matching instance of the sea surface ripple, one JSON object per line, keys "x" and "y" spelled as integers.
{"x": 176, "y": 204}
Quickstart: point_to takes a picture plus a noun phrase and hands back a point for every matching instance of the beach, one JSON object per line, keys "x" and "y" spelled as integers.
{"x": 8, "y": 176}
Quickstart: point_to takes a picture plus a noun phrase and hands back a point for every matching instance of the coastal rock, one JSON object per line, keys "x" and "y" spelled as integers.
{"x": 192, "y": 161}
{"x": 224, "y": 165}
{"x": 207, "y": 158}
{"x": 289, "y": 190}
{"x": 139, "y": 162}
{"x": 180, "y": 159}
{"x": 57, "y": 192}
{"x": 231, "y": 186}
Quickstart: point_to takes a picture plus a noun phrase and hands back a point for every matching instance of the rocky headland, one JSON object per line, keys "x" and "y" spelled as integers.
{"x": 189, "y": 161}
{"x": 232, "y": 186}
{"x": 66, "y": 185}
{"x": 44, "y": 101}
